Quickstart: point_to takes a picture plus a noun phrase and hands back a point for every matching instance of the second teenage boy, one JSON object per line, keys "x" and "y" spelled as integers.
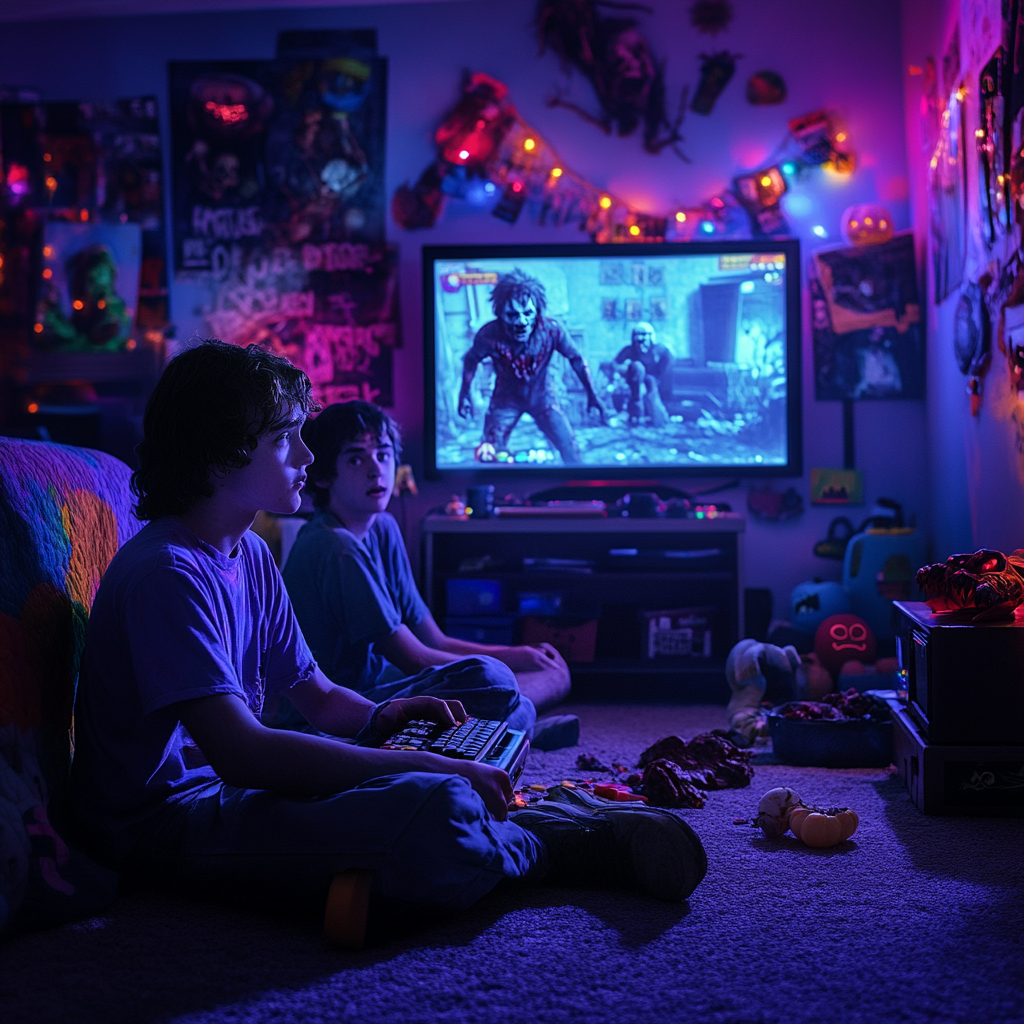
{"x": 352, "y": 588}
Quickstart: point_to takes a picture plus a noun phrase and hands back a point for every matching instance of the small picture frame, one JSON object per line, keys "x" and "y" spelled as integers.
{"x": 837, "y": 487}
{"x": 634, "y": 309}
{"x": 659, "y": 307}
{"x": 609, "y": 309}
{"x": 639, "y": 274}
{"x": 612, "y": 273}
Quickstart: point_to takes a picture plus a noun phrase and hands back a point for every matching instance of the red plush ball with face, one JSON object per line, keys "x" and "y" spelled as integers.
{"x": 841, "y": 638}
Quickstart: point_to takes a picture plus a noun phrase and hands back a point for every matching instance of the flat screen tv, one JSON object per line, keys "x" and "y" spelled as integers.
{"x": 613, "y": 362}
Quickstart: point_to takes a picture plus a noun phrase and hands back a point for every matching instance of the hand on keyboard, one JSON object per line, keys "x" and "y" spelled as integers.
{"x": 400, "y": 712}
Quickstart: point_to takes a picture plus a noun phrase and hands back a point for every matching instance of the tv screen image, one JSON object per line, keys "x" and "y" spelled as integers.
{"x": 613, "y": 360}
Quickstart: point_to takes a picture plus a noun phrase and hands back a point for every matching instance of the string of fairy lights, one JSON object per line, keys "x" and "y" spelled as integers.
{"x": 489, "y": 155}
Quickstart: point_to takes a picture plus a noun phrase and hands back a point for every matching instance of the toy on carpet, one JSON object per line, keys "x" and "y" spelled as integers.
{"x": 841, "y": 664}
{"x": 675, "y": 772}
{"x": 980, "y": 587}
{"x": 781, "y": 810}
{"x": 759, "y": 673}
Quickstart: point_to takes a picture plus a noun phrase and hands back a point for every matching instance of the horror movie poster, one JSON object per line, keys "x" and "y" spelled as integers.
{"x": 279, "y": 212}
{"x": 866, "y": 323}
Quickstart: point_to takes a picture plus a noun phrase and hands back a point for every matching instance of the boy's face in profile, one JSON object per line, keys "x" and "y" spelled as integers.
{"x": 274, "y": 478}
{"x": 365, "y": 476}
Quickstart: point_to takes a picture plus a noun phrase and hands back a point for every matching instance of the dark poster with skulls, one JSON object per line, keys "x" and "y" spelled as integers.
{"x": 279, "y": 211}
{"x": 268, "y": 153}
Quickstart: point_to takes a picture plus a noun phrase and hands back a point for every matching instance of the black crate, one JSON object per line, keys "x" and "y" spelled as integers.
{"x": 978, "y": 781}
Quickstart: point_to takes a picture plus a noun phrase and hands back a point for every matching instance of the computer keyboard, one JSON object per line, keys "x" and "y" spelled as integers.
{"x": 476, "y": 739}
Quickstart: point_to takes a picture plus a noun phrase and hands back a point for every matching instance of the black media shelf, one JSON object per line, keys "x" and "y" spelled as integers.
{"x": 620, "y": 599}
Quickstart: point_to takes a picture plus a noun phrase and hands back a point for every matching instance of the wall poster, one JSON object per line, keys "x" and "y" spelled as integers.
{"x": 866, "y": 322}
{"x": 279, "y": 212}
{"x": 98, "y": 167}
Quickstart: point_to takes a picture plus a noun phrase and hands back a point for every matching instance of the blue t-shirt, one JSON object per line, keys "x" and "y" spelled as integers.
{"x": 348, "y": 594}
{"x": 173, "y": 619}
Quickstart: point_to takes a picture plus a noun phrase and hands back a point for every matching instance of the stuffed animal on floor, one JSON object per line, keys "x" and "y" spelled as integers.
{"x": 757, "y": 673}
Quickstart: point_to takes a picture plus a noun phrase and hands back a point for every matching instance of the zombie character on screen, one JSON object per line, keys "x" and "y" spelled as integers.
{"x": 520, "y": 344}
{"x": 643, "y": 363}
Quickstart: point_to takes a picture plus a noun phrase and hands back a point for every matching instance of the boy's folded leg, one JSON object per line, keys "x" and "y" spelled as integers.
{"x": 426, "y": 839}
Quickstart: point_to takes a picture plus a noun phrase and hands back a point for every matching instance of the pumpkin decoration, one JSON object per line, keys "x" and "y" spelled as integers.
{"x": 822, "y": 828}
{"x": 774, "y": 811}
{"x": 866, "y": 224}
{"x": 842, "y": 637}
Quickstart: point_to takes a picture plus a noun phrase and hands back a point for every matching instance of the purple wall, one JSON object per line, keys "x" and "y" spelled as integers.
{"x": 976, "y": 464}
{"x": 847, "y": 56}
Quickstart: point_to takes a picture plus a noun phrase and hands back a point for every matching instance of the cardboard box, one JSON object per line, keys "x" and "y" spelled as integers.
{"x": 574, "y": 639}
{"x": 678, "y": 633}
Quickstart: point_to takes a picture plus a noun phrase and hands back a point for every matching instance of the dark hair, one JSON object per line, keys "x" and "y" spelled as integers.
{"x": 518, "y": 285}
{"x": 207, "y": 412}
{"x": 334, "y": 428}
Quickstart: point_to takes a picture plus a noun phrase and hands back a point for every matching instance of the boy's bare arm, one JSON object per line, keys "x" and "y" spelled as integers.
{"x": 525, "y": 658}
{"x": 247, "y": 754}
{"x": 410, "y": 653}
{"x": 330, "y": 708}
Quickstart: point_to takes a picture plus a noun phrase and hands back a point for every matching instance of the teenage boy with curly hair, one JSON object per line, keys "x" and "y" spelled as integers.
{"x": 353, "y": 591}
{"x": 175, "y": 778}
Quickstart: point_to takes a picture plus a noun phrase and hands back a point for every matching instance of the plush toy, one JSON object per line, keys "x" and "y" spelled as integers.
{"x": 842, "y": 638}
{"x": 757, "y": 672}
{"x": 812, "y": 602}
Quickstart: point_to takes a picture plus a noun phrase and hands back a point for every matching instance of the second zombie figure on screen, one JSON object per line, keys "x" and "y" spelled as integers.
{"x": 643, "y": 364}
{"x": 520, "y": 344}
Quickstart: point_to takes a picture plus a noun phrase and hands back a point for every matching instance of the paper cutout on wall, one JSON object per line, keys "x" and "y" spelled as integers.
{"x": 90, "y": 286}
{"x": 85, "y": 163}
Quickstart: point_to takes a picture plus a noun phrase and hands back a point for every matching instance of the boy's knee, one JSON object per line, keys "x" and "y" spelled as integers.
{"x": 444, "y": 849}
{"x": 490, "y": 671}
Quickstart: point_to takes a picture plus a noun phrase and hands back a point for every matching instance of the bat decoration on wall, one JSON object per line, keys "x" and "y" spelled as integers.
{"x": 614, "y": 57}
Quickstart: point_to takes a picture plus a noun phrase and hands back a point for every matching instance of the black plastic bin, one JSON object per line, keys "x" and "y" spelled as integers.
{"x": 830, "y": 743}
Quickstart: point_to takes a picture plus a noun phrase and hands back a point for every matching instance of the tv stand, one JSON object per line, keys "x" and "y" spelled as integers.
{"x": 603, "y": 574}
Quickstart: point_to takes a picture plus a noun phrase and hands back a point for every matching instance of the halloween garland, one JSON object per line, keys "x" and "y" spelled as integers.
{"x": 489, "y": 156}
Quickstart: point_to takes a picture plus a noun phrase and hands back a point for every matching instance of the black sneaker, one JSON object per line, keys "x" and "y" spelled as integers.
{"x": 556, "y": 732}
{"x": 636, "y": 847}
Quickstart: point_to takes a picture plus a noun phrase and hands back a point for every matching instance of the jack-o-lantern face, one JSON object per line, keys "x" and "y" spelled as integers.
{"x": 853, "y": 638}
{"x": 841, "y": 638}
{"x": 866, "y": 224}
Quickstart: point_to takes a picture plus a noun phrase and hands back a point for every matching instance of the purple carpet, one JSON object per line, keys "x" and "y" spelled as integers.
{"x": 916, "y": 919}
